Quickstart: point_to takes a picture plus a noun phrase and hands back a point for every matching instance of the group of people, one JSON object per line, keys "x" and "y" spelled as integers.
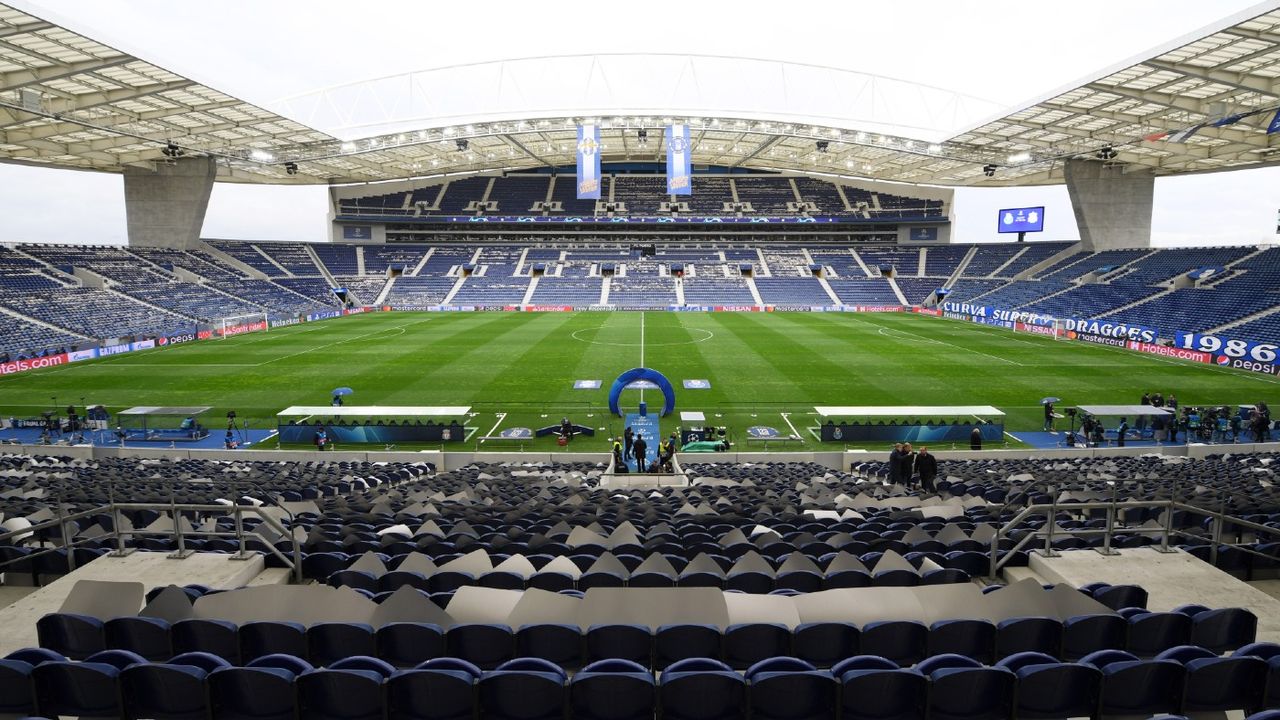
{"x": 907, "y": 467}
{"x": 633, "y": 445}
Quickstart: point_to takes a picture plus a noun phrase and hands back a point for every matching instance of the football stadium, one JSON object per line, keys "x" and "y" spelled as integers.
{"x": 402, "y": 366}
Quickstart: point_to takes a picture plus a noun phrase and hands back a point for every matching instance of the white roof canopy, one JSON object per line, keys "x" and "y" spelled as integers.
{"x": 377, "y": 410}
{"x": 906, "y": 410}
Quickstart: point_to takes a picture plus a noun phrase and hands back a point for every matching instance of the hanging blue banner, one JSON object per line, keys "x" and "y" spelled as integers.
{"x": 588, "y": 162}
{"x": 679, "y": 160}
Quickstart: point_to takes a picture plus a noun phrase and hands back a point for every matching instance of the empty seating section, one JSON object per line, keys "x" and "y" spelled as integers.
{"x": 1021, "y": 292}
{"x": 516, "y": 194}
{"x": 992, "y": 257}
{"x": 21, "y": 338}
{"x": 577, "y": 291}
{"x": 200, "y": 302}
{"x": 646, "y": 291}
{"x": 709, "y": 195}
{"x": 1091, "y": 300}
{"x": 642, "y": 194}
{"x": 965, "y": 290}
{"x": 822, "y": 194}
{"x": 292, "y": 257}
{"x": 198, "y": 262}
{"x": 942, "y": 261}
{"x": 917, "y": 290}
{"x": 792, "y": 291}
{"x": 767, "y": 195}
{"x": 365, "y": 289}
{"x": 566, "y": 193}
{"x": 457, "y": 195}
{"x": 1173, "y": 262}
{"x": 904, "y": 261}
{"x": 95, "y": 313}
{"x": 1263, "y": 329}
{"x": 869, "y": 291}
{"x": 717, "y": 290}
{"x": 378, "y": 259}
{"x": 786, "y": 263}
{"x": 840, "y": 262}
{"x": 267, "y": 294}
{"x": 249, "y": 255}
{"x": 414, "y": 291}
{"x": 338, "y": 258}
{"x": 314, "y": 288}
{"x": 904, "y": 208}
{"x": 498, "y": 286}
{"x": 743, "y": 256}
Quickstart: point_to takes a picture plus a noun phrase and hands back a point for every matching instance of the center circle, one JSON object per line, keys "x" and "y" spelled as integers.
{"x": 707, "y": 336}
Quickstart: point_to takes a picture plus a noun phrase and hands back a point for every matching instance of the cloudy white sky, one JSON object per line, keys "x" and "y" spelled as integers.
{"x": 1006, "y": 52}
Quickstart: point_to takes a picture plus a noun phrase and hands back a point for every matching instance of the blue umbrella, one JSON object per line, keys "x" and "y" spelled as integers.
{"x": 342, "y": 391}
{"x": 1046, "y": 401}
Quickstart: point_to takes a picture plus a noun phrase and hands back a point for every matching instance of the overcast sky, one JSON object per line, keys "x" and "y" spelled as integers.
{"x": 1010, "y": 52}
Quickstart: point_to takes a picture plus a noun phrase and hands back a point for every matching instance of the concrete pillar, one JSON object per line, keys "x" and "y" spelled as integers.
{"x": 1112, "y": 206}
{"x": 165, "y": 207}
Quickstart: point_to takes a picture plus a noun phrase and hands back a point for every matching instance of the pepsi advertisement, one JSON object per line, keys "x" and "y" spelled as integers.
{"x": 1020, "y": 220}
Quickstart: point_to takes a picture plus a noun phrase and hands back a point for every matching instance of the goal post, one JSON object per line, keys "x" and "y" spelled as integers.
{"x": 240, "y": 324}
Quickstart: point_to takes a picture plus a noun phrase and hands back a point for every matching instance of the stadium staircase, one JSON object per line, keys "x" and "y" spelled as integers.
{"x": 360, "y": 258}
{"x": 765, "y": 270}
{"x": 226, "y": 259}
{"x": 897, "y": 291}
{"x": 858, "y": 259}
{"x": 1007, "y": 263}
{"x": 423, "y": 262}
{"x": 1046, "y": 263}
{"x": 680, "y": 291}
{"x": 324, "y": 271}
{"x": 844, "y": 199}
{"x": 272, "y": 260}
{"x": 1243, "y": 320}
{"x": 826, "y": 286}
{"x": 454, "y": 290}
{"x": 1135, "y": 303}
{"x": 604, "y": 289}
{"x": 386, "y": 290}
{"x": 755, "y": 292}
{"x": 528, "y": 294}
{"x": 962, "y": 266}
{"x": 923, "y": 260}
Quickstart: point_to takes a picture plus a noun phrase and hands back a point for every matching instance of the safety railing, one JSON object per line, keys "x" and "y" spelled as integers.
{"x": 177, "y": 512}
{"x": 1220, "y": 520}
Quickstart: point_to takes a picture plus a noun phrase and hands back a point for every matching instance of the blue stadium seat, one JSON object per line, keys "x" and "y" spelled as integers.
{"x": 623, "y": 642}
{"x": 485, "y": 646}
{"x": 786, "y": 688}
{"x": 524, "y": 689}
{"x": 175, "y": 690}
{"x": 440, "y": 689}
{"x": 90, "y": 688}
{"x": 407, "y": 645}
{"x": 333, "y": 641}
{"x": 904, "y": 642}
{"x": 962, "y": 688}
{"x": 17, "y": 694}
{"x": 874, "y": 688}
{"x": 744, "y": 645}
{"x": 701, "y": 689}
{"x": 74, "y": 636}
{"x": 1029, "y": 634}
{"x": 823, "y": 644}
{"x": 672, "y": 643}
{"x": 559, "y": 644}
{"x": 1051, "y": 689}
{"x": 146, "y": 636}
{"x": 971, "y": 638}
{"x": 1220, "y": 684}
{"x": 261, "y": 690}
{"x": 350, "y": 689}
{"x": 613, "y": 690}
{"x": 261, "y": 638}
{"x": 1224, "y": 630}
{"x": 1151, "y": 633}
{"x": 1121, "y": 596}
{"x": 216, "y": 637}
{"x": 1085, "y": 634}
{"x": 1137, "y": 687}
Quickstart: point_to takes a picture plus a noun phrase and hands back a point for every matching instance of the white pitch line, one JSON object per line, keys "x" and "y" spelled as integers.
{"x": 944, "y": 342}
{"x": 501, "y": 417}
{"x": 794, "y": 433}
{"x": 347, "y": 340}
{"x": 642, "y": 350}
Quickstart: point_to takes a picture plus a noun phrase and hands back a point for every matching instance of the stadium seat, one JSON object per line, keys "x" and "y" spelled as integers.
{"x": 524, "y": 689}
{"x": 823, "y": 644}
{"x": 622, "y": 642}
{"x": 74, "y": 636}
{"x": 333, "y": 641}
{"x": 873, "y": 688}
{"x": 971, "y": 638}
{"x": 1131, "y": 686}
{"x": 701, "y": 689}
{"x": 1085, "y": 634}
{"x": 216, "y": 637}
{"x": 962, "y": 688}
{"x": 440, "y": 689}
{"x": 262, "y": 638}
{"x": 261, "y": 690}
{"x": 17, "y": 694}
{"x": 613, "y": 690}
{"x": 407, "y": 645}
{"x": 785, "y": 688}
{"x": 745, "y": 645}
{"x": 1047, "y": 688}
{"x": 485, "y": 646}
{"x": 173, "y": 690}
{"x": 1029, "y": 634}
{"x": 90, "y": 688}
{"x": 558, "y": 644}
{"x": 350, "y": 689}
{"x": 904, "y": 642}
{"x": 146, "y": 636}
{"x": 673, "y": 643}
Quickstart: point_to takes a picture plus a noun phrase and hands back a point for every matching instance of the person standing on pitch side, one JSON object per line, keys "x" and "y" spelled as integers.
{"x": 640, "y": 448}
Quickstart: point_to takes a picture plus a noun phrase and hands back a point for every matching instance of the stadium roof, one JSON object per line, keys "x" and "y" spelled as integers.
{"x": 67, "y": 100}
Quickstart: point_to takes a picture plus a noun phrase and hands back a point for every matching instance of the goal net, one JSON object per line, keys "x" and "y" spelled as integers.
{"x": 1054, "y": 328}
{"x": 240, "y": 324}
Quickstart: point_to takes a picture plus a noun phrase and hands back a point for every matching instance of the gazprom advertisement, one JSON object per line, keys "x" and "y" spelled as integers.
{"x": 1018, "y": 220}
{"x": 679, "y": 160}
{"x": 588, "y": 162}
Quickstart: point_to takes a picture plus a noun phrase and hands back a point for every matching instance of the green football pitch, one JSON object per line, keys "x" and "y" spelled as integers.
{"x": 518, "y": 370}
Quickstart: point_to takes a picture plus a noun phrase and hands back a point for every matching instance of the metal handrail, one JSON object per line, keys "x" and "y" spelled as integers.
{"x": 1219, "y": 517}
{"x": 294, "y": 563}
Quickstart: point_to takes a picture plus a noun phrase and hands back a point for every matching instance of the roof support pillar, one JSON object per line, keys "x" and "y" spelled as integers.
{"x": 1112, "y": 206}
{"x": 165, "y": 207}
